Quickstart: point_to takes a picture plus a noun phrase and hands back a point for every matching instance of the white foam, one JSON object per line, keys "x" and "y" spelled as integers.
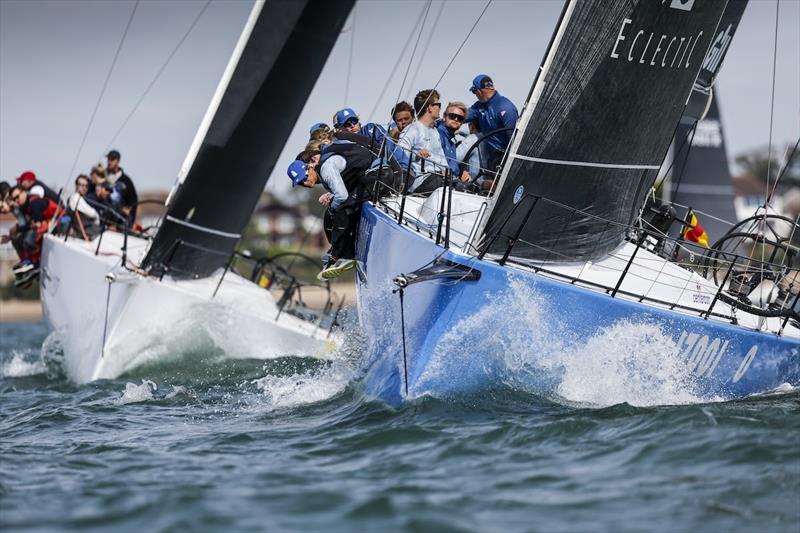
{"x": 283, "y": 392}
{"x": 20, "y": 366}
{"x": 134, "y": 393}
{"x": 513, "y": 337}
{"x": 628, "y": 362}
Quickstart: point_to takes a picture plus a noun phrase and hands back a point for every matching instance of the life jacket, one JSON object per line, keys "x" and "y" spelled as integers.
{"x": 358, "y": 159}
{"x": 40, "y": 209}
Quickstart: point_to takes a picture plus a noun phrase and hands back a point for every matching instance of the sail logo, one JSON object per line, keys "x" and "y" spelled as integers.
{"x": 717, "y": 51}
{"x": 518, "y": 194}
{"x": 708, "y": 134}
{"x": 653, "y": 49}
{"x": 683, "y": 5}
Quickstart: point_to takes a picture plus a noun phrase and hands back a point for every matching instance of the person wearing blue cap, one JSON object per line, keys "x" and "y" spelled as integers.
{"x": 319, "y": 126}
{"x": 340, "y": 169}
{"x": 492, "y": 111}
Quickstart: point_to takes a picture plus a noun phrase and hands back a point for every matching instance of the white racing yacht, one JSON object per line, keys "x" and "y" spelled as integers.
{"x": 124, "y": 299}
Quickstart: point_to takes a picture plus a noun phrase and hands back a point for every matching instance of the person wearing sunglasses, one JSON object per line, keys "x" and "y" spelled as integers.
{"x": 80, "y": 215}
{"x": 492, "y": 111}
{"x": 421, "y": 141}
{"x": 454, "y": 116}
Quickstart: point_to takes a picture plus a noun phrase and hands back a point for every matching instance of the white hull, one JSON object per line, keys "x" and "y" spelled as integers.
{"x": 107, "y": 327}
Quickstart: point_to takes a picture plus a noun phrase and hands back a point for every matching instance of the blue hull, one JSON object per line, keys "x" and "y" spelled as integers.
{"x": 518, "y": 329}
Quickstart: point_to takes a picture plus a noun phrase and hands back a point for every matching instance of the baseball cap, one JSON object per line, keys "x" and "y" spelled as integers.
{"x": 343, "y": 115}
{"x": 26, "y": 176}
{"x": 481, "y": 81}
{"x": 317, "y": 126}
{"x": 297, "y": 172}
{"x": 113, "y": 154}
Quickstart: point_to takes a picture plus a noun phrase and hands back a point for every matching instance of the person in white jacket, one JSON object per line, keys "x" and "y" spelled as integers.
{"x": 86, "y": 219}
{"x": 421, "y": 141}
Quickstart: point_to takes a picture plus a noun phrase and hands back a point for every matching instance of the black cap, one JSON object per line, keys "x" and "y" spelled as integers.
{"x": 113, "y": 154}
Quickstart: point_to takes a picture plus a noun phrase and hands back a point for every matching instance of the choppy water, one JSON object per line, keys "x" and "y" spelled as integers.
{"x": 293, "y": 444}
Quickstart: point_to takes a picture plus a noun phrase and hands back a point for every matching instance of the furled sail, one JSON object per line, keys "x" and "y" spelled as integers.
{"x": 600, "y": 119}
{"x": 272, "y": 71}
{"x": 700, "y": 176}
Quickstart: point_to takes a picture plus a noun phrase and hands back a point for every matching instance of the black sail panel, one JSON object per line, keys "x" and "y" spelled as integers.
{"x": 616, "y": 86}
{"x": 281, "y": 60}
{"x": 701, "y": 178}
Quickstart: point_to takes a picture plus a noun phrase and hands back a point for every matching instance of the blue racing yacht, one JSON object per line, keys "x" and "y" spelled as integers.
{"x": 555, "y": 283}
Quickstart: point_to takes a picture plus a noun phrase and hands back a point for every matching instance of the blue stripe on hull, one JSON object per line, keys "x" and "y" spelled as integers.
{"x": 519, "y": 329}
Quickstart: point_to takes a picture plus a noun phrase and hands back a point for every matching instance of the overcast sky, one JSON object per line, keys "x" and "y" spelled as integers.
{"x": 55, "y": 56}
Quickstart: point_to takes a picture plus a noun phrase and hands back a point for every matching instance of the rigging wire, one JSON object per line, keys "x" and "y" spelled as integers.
{"x": 785, "y": 168}
{"x": 157, "y": 76}
{"x": 428, "y": 43}
{"x": 350, "y": 58}
{"x": 458, "y": 51}
{"x": 772, "y": 101}
{"x": 396, "y": 64}
{"x": 414, "y": 51}
{"x": 102, "y": 93}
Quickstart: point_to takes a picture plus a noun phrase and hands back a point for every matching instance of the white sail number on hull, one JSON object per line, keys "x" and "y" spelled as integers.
{"x": 703, "y": 354}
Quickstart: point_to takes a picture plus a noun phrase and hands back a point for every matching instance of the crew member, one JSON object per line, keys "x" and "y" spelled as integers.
{"x": 492, "y": 111}
{"x": 341, "y": 169}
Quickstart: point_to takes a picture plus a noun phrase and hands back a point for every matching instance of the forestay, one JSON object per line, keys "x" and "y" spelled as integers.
{"x": 269, "y": 77}
{"x": 600, "y": 119}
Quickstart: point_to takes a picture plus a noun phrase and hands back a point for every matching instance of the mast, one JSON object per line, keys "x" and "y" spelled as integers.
{"x": 272, "y": 70}
{"x": 598, "y": 124}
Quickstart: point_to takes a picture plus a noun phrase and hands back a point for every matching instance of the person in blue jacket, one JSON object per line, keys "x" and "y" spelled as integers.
{"x": 454, "y": 116}
{"x": 492, "y": 111}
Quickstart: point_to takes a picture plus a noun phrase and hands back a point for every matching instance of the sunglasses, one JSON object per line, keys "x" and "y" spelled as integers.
{"x": 456, "y": 117}
{"x": 350, "y": 123}
{"x": 436, "y": 103}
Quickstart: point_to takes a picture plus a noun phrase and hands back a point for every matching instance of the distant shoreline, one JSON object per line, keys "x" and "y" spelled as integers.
{"x": 20, "y": 311}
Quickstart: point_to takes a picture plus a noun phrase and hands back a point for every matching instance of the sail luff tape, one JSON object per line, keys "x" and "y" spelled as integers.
{"x": 203, "y": 228}
{"x": 585, "y": 163}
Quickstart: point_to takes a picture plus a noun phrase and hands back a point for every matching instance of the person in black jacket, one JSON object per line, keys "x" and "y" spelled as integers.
{"x": 27, "y": 181}
{"x": 340, "y": 168}
{"x": 124, "y": 192}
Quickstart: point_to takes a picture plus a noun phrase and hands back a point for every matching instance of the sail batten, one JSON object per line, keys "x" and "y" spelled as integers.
{"x": 584, "y": 163}
{"x": 613, "y": 88}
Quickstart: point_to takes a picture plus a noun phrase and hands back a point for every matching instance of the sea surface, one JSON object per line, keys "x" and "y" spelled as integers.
{"x": 209, "y": 444}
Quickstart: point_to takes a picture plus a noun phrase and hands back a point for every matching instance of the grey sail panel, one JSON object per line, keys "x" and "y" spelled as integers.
{"x": 701, "y": 178}
{"x": 278, "y": 67}
{"x": 610, "y": 100}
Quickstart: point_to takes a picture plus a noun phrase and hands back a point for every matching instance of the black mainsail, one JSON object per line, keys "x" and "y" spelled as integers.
{"x": 272, "y": 71}
{"x": 599, "y": 121}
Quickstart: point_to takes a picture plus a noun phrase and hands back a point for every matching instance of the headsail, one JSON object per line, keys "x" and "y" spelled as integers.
{"x": 599, "y": 122}
{"x": 273, "y": 69}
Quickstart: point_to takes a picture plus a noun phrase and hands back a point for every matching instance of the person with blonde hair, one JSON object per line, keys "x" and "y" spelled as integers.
{"x": 454, "y": 116}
